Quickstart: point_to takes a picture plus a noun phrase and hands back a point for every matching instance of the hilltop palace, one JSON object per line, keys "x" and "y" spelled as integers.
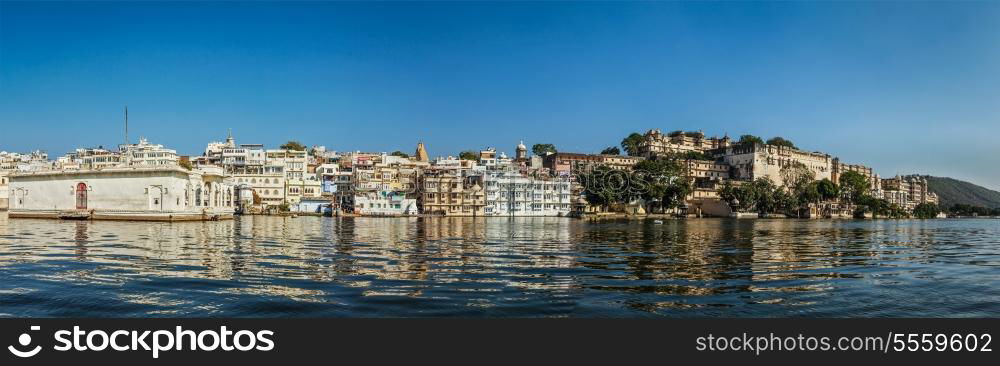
{"x": 145, "y": 181}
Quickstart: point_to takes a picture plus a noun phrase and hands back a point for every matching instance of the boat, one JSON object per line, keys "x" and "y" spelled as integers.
{"x": 658, "y": 222}
{"x": 74, "y": 215}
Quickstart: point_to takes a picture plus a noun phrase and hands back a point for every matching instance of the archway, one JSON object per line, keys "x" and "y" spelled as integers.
{"x": 81, "y": 196}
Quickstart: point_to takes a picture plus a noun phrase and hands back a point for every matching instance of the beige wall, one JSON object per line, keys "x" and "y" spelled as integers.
{"x": 132, "y": 190}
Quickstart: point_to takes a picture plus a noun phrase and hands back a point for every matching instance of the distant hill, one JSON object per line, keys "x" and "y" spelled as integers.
{"x": 951, "y": 191}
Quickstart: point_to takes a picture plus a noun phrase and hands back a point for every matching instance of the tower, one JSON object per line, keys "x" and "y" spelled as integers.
{"x": 421, "y": 154}
{"x": 522, "y": 151}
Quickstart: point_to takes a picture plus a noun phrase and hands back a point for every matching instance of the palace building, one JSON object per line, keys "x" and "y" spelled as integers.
{"x": 162, "y": 193}
{"x": 655, "y": 143}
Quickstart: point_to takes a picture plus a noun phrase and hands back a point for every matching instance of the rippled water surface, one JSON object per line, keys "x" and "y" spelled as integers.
{"x": 526, "y": 267}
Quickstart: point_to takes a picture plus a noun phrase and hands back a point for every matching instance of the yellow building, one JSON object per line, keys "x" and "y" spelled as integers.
{"x": 656, "y": 143}
{"x": 449, "y": 192}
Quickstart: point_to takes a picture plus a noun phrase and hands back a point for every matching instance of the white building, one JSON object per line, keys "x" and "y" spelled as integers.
{"x": 145, "y": 154}
{"x": 4, "y": 189}
{"x": 34, "y": 161}
{"x": 509, "y": 193}
{"x": 162, "y": 193}
{"x": 384, "y": 203}
{"x": 299, "y": 182}
{"x": 92, "y": 158}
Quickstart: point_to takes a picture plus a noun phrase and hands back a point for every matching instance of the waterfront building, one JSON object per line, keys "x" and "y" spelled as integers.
{"x": 510, "y": 193}
{"x": 384, "y": 203}
{"x": 655, "y": 143}
{"x": 275, "y": 177}
{"x": 4, "y": 189}
{"x": 839, "y": 168}
{"x": 337, "y": 181}
{"x": 382, "y": 184}
{"x": 248, "y": 166}
{"x": 908, "y": 191}
{"x": 706, "y": 178}
{"x": 298, "y": 182}
{"x": 162, "y": 193}
{"x": 752, "y": 161}
{"x": 451, "y": 190}
{"x": 574, "y": 163}
{"x": 315, "y": 205}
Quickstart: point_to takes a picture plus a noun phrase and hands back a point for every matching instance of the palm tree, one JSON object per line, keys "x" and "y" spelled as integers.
{"x": 631, "y": 144}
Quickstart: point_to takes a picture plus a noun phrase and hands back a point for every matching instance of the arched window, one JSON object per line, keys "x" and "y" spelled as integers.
{"x": 208, "y": 195}
{"x": 81, "y": 196}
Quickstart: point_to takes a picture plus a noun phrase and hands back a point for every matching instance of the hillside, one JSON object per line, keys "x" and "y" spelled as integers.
{"x": 952, "y": 191}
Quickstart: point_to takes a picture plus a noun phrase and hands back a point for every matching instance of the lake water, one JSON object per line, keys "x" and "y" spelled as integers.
{"x": 525, "y": 267}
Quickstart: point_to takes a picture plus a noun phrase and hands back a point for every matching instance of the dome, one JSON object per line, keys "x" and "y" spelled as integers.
{"x": 521, "y": 146}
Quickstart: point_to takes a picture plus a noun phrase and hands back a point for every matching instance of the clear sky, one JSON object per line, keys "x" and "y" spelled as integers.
{"x": 903, "y": 87}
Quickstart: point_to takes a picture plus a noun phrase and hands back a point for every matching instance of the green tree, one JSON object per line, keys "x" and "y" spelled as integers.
{"x": 631, "y": 144}
{"x": 604, "y": 186}
{"x": 926, "y": 211}
{"x": 828, "y": 190}
{"x": 613, "y": 150}
{"x": 780, "y": 141}
{"x": 811, "y": 194}
{"x": 961, "y": 209}
{"x": 878, "y": 208}
{"x": 728, "y": 192}
{"x": 854, "y": 187}
{"x": 798, "y": 179}
{"x": 765, "y": 192}
{"x": 185, "y": 163}
{"x": 400, "y": 154}
{"x": 784, "y": 201}
{"x": 543, "y": 149}
{"x": 751, "y": 139}
{"x": 695, "y": 155}
{"x": 741, "y": 198}
{"x": 468, "y": 155}
{"x": 293, "y": 145}
{"x": 665, "y": 183}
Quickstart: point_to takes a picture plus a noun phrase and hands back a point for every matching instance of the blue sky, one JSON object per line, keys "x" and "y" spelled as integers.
{"x": 903, "y": 87}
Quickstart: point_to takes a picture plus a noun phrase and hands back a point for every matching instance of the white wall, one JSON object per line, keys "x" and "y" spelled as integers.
{"x": 108, "y": 190}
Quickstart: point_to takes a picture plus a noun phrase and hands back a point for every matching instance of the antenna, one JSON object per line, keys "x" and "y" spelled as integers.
{"x": 126, "y": 124}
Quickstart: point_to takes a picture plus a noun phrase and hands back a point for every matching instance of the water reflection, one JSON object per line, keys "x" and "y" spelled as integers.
{"x": 310, "y": 266}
